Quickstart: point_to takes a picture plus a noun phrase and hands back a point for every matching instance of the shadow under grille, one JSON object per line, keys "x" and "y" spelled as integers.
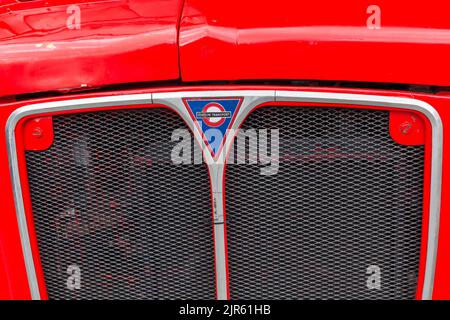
{"x": 342, "y": 217}
{"x": 111, "y": 210}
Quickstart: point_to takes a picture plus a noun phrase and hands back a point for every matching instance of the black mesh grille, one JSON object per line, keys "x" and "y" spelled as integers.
{"x": 108, "y": 200}
{"x": 346, "y": 197}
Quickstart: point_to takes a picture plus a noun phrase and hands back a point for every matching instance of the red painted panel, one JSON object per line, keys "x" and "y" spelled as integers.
{"x": 319, "y": 40}
{"x": 406, "y": 128}
{"x": 118, "y": 41}
{"x": 38, "y": 134}
{"x": 442, "y": 275}
{"x": 13, "y": 279}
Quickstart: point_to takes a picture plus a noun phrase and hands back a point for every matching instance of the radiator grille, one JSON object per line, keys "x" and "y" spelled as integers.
{"x": 107, "y": 199}
{"x": 346, "y": 197}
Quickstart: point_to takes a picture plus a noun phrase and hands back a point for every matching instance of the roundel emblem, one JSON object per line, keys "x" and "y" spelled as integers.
{"x": 211, "y": 108}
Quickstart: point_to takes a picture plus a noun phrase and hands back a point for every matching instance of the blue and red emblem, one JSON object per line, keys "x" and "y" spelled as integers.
{"x": 213, "y": 117}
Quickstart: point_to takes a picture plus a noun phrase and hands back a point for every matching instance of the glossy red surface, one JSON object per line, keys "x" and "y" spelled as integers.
{"x": 118, "y": 41}
{"x": 12, "y": 271}
{"x": 318, "y": 40}
{"x": 124, "y": 41}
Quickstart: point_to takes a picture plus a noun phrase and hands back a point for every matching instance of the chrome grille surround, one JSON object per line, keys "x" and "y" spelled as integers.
{"x": 252, "y": 98}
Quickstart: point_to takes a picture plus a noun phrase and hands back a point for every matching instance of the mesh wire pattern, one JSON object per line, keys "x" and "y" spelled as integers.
{"x": 346, "y": 199}
{"x": 109, "y": 203}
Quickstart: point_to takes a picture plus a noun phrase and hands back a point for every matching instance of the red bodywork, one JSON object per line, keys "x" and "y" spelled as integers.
{"x": 142, "y": 41}
{"x": 317, "y": 40}
{"x": 119, "y": 41}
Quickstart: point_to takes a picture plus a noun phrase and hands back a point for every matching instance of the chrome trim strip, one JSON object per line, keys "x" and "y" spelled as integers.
{"x": 252, "y": 98}
{"x": 216, "y": 167}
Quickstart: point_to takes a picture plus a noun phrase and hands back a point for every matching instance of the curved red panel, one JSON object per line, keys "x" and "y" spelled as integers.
{"x": 408, "y": 42}
{"x": 42, "y": 47}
